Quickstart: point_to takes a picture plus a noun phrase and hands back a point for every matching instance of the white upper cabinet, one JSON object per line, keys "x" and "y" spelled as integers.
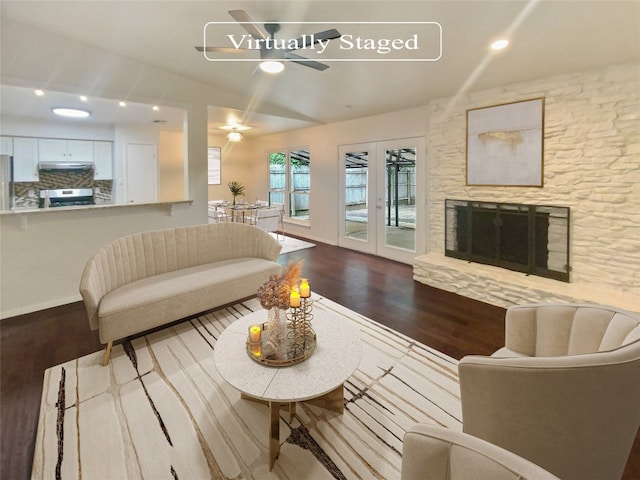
{"x": 58, "y": 150}
{"x": 103, "y": 158}
{"x": 25, "y": 159}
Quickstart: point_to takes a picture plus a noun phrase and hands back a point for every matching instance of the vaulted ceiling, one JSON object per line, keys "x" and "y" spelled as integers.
{"x": 547, "y": 38}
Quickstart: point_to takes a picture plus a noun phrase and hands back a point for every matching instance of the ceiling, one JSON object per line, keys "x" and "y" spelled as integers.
{"x": 547, "y": 38}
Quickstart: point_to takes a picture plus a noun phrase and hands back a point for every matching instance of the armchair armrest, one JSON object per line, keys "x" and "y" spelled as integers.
{"x": 530, "y": 406}
{"x": 430, "y": 452}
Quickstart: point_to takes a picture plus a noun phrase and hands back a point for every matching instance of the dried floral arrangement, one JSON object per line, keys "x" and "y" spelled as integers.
{"x": 275, "y": 291}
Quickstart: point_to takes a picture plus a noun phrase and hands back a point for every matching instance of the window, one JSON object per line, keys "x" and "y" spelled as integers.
{"x": 213, "y": 157}
{"x": 290, "y": 181}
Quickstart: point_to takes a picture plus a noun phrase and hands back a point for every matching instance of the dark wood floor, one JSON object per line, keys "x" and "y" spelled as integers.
{"x": 377, "y": 288}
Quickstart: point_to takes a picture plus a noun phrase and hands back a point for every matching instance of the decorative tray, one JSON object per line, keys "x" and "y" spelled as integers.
{"x": 296, "y": 351}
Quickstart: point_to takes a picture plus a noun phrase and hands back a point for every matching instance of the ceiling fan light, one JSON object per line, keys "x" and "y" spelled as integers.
{"x": 71, "y": 112}
{"x": 499, "y": 44}
{"x": 271, "y": 66}
{"x": 234, "y": 136}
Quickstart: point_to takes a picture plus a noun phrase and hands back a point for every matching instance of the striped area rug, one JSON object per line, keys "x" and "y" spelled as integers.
{"x": 160, "y": 410}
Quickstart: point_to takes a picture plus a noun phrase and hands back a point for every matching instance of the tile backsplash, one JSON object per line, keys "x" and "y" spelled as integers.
{"x": 26, "y": 194}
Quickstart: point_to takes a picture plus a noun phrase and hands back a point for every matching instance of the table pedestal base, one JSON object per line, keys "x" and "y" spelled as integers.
{"x": 333, "y": 401}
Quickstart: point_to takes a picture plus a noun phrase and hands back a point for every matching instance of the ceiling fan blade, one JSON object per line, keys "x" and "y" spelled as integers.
{"x": 222, "y": 49}
{"x": 248, "y": 24}
{"x": 306, "y": 40}
{"x": 305, "y": 61}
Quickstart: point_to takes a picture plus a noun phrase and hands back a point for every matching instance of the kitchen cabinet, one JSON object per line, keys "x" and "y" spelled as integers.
{"x": 6, "y": 146}
{"x": 60, "y": 150}
{"x": 25, "y": 159}
{"x": 103, "y": 158}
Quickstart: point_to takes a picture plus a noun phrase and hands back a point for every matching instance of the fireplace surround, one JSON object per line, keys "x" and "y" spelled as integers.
{"x": 533, "y": 239}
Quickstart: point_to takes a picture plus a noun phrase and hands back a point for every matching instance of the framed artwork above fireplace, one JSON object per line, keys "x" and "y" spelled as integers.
{"x": 505, "y": 144}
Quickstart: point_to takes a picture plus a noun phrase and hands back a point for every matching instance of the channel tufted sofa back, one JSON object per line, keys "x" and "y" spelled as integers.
{"x": 143, "y": 255}
{"x": 550, "y": 330}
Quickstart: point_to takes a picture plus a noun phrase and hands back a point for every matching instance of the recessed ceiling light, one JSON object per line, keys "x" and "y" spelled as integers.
{"x": 39, "y": 93}
{"x": 499, "y": 44}
{"x": 155, "y": 108}
{"x": 271, "y": 66}
{"x": 83, "y": 98}
{"x": 71, "y": 112}
{"x": 123, "y": 104}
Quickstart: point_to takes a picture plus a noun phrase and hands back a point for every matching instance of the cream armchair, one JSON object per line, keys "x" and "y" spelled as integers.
{"x": 437, "y": 453}
{"x": 564, "y": 392}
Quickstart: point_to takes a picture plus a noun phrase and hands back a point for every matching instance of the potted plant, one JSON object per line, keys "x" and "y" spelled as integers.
{"x": 236, "y": 189}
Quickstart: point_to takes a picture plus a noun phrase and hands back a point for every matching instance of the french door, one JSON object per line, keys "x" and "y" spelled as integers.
{"x": 380, "y": 202}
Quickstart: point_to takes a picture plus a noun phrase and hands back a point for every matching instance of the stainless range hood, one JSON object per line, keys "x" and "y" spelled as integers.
{"x": 65, "y": 166}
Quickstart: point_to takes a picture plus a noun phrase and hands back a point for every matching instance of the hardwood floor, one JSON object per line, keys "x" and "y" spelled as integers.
{"x": 380, "y": 289}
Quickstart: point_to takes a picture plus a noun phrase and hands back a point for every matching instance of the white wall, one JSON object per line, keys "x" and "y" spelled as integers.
{"x": 323, "y": 142}
{"x": 592, "y": 164}
{"x": 236, "y": 165}
{"x": 42, "y": 254}
{"x": 171, "y": 166}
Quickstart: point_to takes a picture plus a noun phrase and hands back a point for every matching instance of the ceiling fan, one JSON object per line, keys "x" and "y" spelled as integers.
{"x": 272, "y": 49}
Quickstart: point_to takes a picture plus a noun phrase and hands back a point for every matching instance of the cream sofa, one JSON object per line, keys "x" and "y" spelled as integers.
{"x": 149, "y": 279}
{"x": 564, "y": 392}
{"x": 437, "y": 453}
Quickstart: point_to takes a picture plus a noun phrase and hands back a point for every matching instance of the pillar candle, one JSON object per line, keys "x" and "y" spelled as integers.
{"x": 294, "y": 299}
{"x": 255, "y": 349}
{"x": 304, "y": 288}
{"x": 254, "y": 333}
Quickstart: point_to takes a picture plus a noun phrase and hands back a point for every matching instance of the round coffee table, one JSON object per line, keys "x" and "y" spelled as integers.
{"x": 318, "y": 380}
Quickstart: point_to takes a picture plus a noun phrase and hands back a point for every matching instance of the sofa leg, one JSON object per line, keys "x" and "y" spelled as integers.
{"x": 107, "y": 354}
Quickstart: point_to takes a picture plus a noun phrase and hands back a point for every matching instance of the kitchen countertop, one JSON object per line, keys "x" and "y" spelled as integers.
{"x": 29, "y": 210}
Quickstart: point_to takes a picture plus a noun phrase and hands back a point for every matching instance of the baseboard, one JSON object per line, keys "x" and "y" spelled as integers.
{"x": 40, "y": 306}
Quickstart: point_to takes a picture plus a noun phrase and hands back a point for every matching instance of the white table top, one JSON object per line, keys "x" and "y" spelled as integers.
{"x": 336, "y": 356}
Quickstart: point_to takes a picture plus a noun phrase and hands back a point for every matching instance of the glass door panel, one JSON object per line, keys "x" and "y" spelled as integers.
{"x": 379, "y": 198}
{"x": 356, "y": 218}
{"x": 300, "y": 184}
{"x": 356, "y": 192}
{"x": 400, "y": 198}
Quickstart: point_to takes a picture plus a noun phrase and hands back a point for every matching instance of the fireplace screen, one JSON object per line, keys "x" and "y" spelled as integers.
{"x": 533, "y": 239}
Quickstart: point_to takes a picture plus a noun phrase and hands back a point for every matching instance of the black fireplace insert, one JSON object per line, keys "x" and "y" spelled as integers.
{"x": 533, "y": 239}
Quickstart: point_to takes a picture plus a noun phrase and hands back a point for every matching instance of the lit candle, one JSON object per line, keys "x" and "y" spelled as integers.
{"x": 255, "y": 349}
{"x": 254, "y": 333}
{"x": 304, "y": 288}
{"x": 294, "y": 299}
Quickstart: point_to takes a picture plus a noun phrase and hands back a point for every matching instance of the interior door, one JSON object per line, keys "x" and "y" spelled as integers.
{"x": 142, "y": 173}
{"x": 380, "y": 199}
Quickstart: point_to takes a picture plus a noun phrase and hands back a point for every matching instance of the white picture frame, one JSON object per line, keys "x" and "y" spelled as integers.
{"x": 505, "y": 144}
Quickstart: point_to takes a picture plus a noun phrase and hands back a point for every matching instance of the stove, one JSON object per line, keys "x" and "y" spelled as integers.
{"x": 66, "y": 197}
